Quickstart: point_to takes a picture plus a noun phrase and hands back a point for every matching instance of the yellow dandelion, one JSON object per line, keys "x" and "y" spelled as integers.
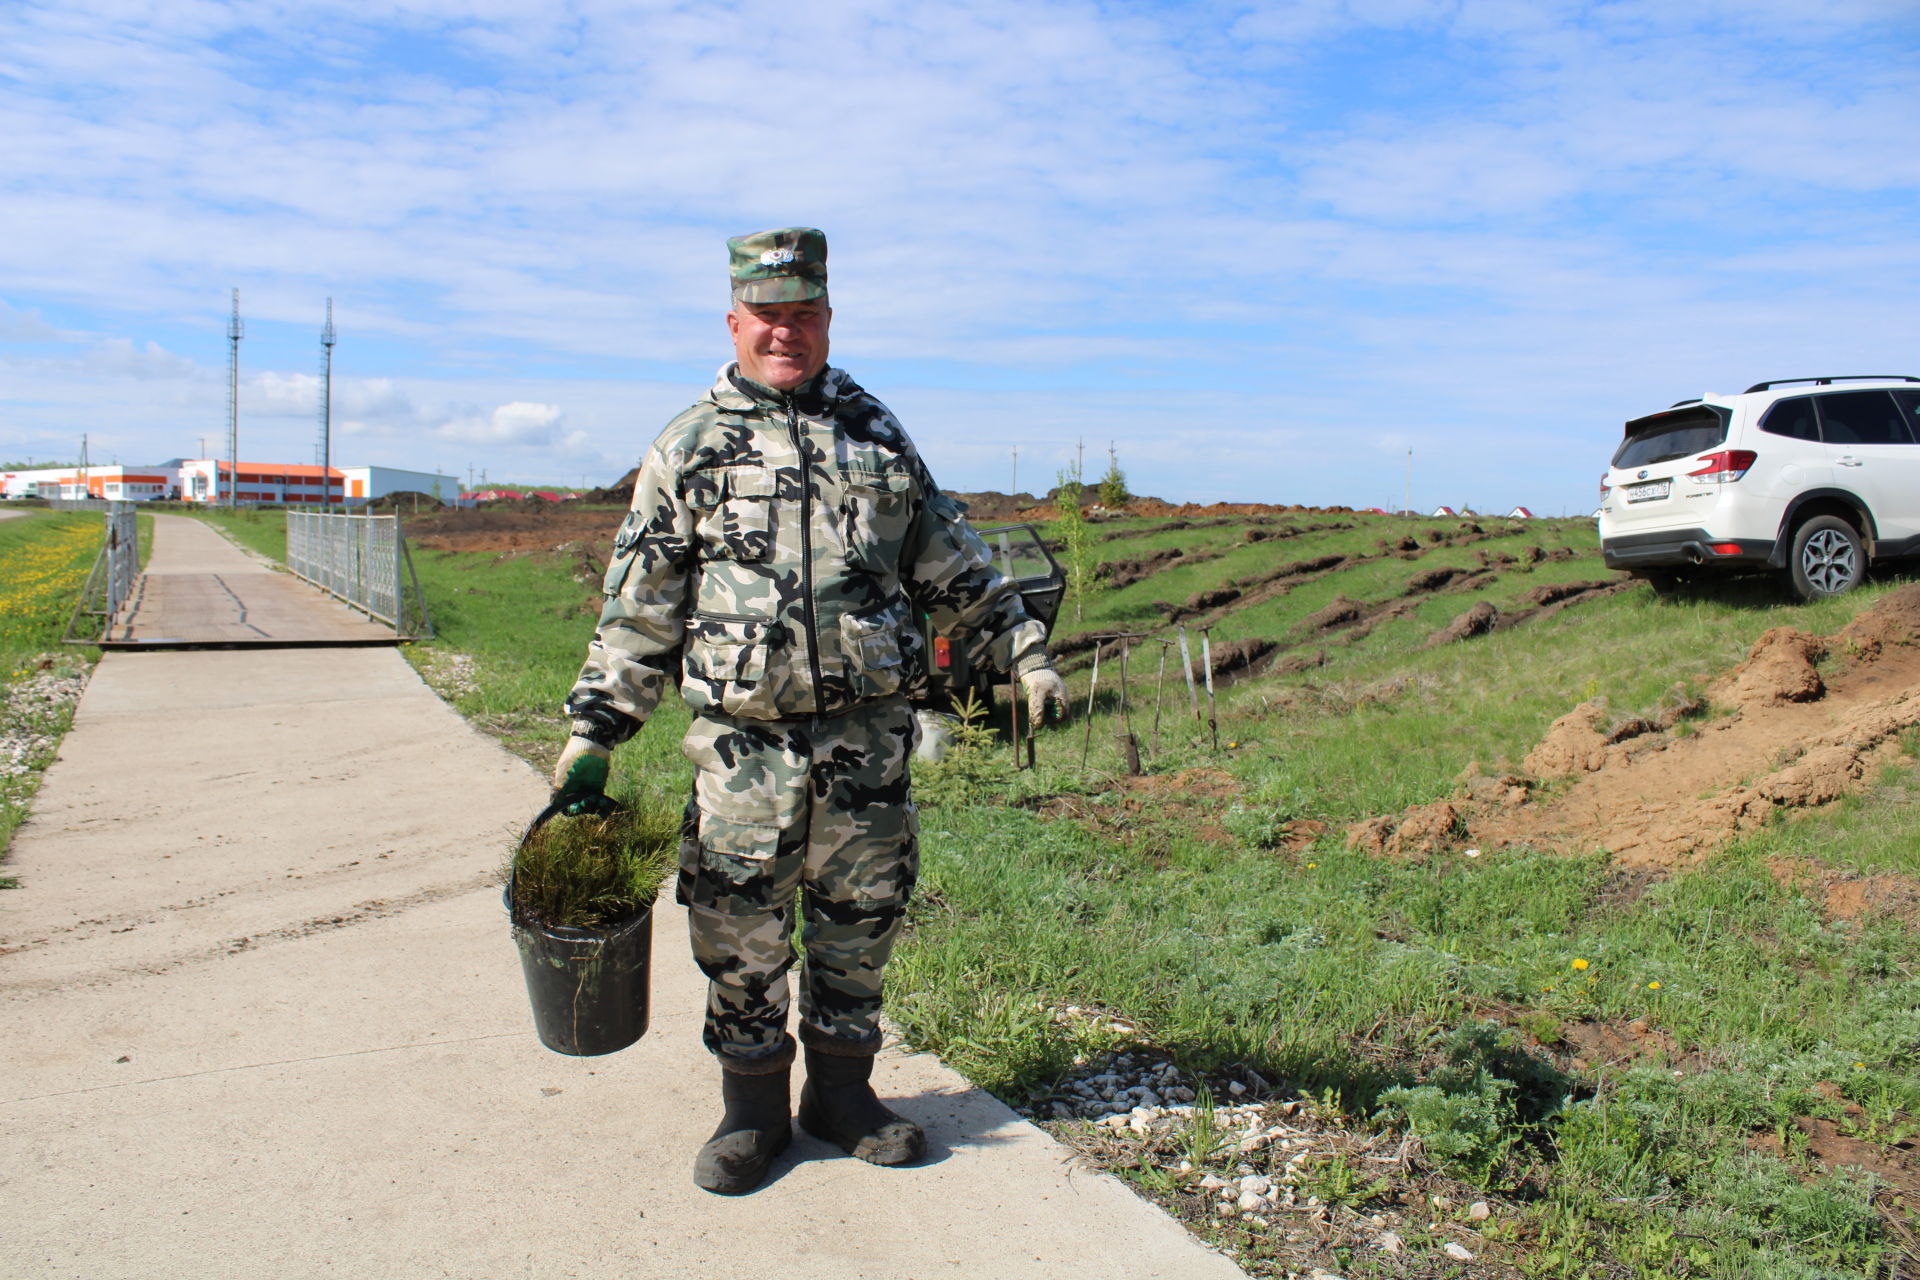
{"x": 1859, "y": 1066}
{"x": 1653, "y": 986}
{"x": 1312, "y": 865}
{"x": 1579, "y": 963}
{"x": 1548, "y": 987}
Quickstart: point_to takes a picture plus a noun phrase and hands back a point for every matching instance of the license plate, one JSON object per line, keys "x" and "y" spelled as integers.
{"x": 1649, "y": 492}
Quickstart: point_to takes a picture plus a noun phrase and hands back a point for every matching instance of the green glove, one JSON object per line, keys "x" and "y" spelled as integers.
{"x": 580, "y": 779}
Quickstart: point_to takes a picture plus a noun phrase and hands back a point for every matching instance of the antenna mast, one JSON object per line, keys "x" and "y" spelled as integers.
{"x": 326, "y": 411}
{"x": 234, "y": 333}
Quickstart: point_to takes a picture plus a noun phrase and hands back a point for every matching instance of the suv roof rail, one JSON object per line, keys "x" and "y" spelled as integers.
{"x": 1677, "y": 403}
{"x": 1841, "y": 377}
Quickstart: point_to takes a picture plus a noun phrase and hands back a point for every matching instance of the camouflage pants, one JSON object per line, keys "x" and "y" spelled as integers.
{"x": 819, "y": 808}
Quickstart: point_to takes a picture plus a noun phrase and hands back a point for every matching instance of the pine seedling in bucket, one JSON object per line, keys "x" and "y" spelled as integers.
{"x": 580, "y": 894}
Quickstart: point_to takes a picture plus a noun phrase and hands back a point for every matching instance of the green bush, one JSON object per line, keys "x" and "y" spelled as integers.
{"x": 587, "y": 872}
{"x": 1467, "y": 1133}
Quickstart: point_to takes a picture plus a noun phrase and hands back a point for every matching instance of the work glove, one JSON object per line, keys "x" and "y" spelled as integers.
{"x": 1046, "y": 694}
{"x": 580, "y": 779}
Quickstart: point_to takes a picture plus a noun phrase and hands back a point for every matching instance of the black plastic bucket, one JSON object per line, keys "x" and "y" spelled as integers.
{"x": 591, "y": 989}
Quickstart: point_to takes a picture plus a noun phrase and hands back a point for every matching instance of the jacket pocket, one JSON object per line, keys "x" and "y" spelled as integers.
{"x": 733, "y": 512}
{"x": 729, "y": 664}
{"x": 873, "y": 644}
{"x": 626, "y": 549}
{"x": 877, "y": 508}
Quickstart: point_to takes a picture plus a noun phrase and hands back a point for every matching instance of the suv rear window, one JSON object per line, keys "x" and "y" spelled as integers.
{"x": 1862, "y": 417}
{"x": 1676, "y": 433}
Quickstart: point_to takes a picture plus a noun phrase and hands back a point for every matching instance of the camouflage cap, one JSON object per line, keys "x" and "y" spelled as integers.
{"x": 788, "y": 265}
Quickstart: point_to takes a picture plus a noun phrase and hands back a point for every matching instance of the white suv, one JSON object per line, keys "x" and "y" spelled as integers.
{"x": 1811, "y": 475}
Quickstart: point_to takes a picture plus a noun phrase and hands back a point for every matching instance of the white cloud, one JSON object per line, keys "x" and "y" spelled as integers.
{"x": 515, "y": 423}
{"x": 27, "y": 326}
{"x": 1471, "y": 208}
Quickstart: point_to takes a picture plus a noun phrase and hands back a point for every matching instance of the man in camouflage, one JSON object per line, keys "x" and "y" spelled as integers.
{"x": 783, "y": 534}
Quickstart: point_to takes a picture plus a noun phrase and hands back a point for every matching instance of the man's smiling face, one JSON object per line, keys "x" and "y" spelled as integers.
{"x": 780, "y": 344}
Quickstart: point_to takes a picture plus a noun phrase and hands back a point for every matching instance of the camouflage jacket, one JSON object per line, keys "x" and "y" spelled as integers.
{"x": 777, "y": 549}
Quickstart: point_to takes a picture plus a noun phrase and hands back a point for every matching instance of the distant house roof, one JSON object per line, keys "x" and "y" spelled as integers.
{"x": 1520, "y": 513}
{"x": 1445, "y": 511}
{"x": 492, "y": 495}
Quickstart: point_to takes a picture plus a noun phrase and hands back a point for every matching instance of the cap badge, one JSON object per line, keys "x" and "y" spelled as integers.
{"x": 776, "y": 257}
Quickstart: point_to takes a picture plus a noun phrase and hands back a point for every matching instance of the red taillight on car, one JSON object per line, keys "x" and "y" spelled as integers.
{"x": 1605, "y": 488}
{"x": 1723, "y": 467}
{"x": 942, "y": 652}
{"x": 1724, "y": 548}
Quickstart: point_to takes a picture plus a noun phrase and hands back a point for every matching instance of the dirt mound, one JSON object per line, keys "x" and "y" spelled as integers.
{"x": 617, "y": 494}
{"x": 1417, "y": 833}
{"x": 1656, "y": 797}
{"x": 1433, "y": 579}
{"x": 992, "y": 507}
{"x": 1342, "y": 611}
{"x": 1779, "y": 669}
{"x": 1575, "y": 743}
{"x": 1239, "y": 657}
{"x": 404, "y": 501}
{"x": 1893, "y": 621}
{"x": 1212, "y": 599}
{"x": 1476, "y": 621}
{"x": 1124, "y": 573}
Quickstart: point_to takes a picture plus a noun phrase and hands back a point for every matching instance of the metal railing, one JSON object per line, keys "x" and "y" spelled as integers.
{"x": 359, "y": 560}
{"x": 110, "y": 582}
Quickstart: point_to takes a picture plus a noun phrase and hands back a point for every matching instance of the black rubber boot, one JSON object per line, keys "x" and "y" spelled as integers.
{"x": 756, "y": 1127}
{"x": 838, "y": 1106}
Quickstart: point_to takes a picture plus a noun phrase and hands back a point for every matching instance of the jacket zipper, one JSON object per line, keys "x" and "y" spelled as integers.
{"x": 806, "y": 552}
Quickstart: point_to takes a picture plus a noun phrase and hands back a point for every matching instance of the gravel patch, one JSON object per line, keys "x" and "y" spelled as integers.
{"x": 35, "y": 714}
{"x": 1288, "y": 1187}
{"x": 36, "y": 707}
{"x": 449, "y": 674}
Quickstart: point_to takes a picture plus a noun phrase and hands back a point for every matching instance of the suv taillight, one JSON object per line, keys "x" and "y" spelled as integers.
{"x": 1723, "y": 467}
{"x": 1605, "y": 488}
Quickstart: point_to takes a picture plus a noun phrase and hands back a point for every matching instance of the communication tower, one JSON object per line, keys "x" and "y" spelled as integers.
{"x": 324, "y": 451}
{"x": 234, "y": 333}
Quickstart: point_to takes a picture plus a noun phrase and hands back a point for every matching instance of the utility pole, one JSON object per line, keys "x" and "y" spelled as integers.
{"x": 326, "y": 410}
{"x": 1016, "y": 472}
{"x": 235, "y": 331}
{"x": 1408, "y": 508}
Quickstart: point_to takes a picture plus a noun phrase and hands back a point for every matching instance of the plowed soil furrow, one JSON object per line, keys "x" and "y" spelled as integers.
{"x": 1655, "y": 798}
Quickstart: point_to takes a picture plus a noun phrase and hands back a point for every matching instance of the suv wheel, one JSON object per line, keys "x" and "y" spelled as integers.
{"x": 1828, "y": 558}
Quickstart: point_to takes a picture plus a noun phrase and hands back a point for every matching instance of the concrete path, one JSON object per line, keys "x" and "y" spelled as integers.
{"x": 198, "y": 588}
{"x": 260, "y": 1016}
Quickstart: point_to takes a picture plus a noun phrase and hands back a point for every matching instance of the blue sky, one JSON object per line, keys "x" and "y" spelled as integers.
{"x": 1264, "y": 250}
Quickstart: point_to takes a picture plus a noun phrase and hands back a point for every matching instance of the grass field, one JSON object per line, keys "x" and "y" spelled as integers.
{"x": 44, "y": 559}
{"x": 1213, "y": 915}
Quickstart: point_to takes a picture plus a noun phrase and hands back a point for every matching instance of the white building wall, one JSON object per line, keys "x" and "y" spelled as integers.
{"x": 367, "y": 483}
